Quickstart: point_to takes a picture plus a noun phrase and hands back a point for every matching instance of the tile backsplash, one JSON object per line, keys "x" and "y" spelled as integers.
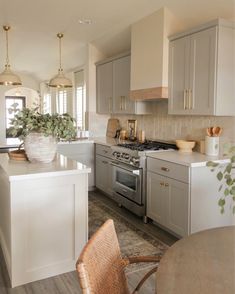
{"x": 162, "y": 126}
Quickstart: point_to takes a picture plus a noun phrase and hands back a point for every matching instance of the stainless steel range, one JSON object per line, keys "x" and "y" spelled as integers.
{"x": 129, "y": 173}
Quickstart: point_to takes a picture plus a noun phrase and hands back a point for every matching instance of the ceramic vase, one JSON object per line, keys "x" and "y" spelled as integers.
{"x": 40, "y": 148}
{"x": 212, "y": 146}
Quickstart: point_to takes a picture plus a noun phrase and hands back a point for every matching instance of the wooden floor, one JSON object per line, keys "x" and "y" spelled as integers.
{"x": 68, "y": 283}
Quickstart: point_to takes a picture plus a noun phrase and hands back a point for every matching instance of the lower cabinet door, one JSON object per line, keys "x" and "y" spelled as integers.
{"x": 156, "y": 202}
{"x": 104, "y": 175}
{"x": 102, "y": 164}
{"x": 109, "y": 190}
{"x": 168, "y": 203}
{"x": 177, "y": 196}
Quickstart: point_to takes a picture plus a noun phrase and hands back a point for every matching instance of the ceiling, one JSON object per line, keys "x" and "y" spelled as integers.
{"x": 34, "y": 24}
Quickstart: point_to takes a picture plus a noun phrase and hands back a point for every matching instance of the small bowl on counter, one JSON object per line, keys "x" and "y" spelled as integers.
{"x": 185, "y": 146}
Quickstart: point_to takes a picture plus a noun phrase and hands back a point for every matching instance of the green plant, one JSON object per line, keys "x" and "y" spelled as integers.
{"x": 226, "y": 176}
{"x": 61, "y": 126}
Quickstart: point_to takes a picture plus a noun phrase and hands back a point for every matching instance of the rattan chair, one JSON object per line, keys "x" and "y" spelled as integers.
{"x": 100, "y": 266}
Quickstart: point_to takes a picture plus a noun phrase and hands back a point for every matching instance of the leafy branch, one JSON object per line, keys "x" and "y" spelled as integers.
{"x": 226, "y": 176}
{"x": 61, "y": 126}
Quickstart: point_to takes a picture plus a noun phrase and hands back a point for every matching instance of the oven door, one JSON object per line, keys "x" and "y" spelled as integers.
{"x": 127, "y": 181}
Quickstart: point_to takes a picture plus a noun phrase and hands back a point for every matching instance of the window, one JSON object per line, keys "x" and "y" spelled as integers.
{"x": 47, "y": 103}
{"x": 80, "y": 99}
{"x": 61, "y": 101}
{"x": 10, "y": 100}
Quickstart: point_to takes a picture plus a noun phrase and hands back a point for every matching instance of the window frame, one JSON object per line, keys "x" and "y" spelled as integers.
{"x": 22, "y": 98}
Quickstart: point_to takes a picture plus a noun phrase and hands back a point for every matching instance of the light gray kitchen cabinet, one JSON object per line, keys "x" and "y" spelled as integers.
{"x": 113, "y": 88}
{"x": 201, "y": 67}
{"x": 103, "y": 169}
{"x": 183, "y": 198}
{"x": 168, "y": 198}
{"x": 156, "y": 204}
{"x": 104, "y": 87}
{"x": 121, "y": 86}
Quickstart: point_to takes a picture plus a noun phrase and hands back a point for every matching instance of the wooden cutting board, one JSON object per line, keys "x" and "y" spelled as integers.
{"x": 112, "y": 127}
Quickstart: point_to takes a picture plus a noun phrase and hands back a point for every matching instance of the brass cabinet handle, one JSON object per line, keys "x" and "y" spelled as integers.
{"x": 185, "y": 94}
{"x": 161, "y": 183}
{"x": 190, "y": 99}
{"x": 124, "y": 101}
{"x": 110, "y": 104}
{"x": 105, "y": 162}
{"x": 166, "y": 185}
{"x": 120, "y": 103}
{"x": 165, "y": 169}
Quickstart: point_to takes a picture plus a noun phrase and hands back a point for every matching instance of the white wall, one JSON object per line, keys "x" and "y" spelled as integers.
{"x": 97, "y": 123}
{"x": 29, "y": 88}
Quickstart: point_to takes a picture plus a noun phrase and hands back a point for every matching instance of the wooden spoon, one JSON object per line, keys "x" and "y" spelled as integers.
{"x": 219, "y": 131}
{"x": 216, "y": 131}
{"x": 209, "y": 131}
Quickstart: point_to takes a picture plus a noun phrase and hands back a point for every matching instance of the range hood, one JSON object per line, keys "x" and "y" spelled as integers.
{"x": 149, "y": 55}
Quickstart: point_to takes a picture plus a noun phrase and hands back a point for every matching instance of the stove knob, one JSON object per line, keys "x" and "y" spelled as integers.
{"x": 118, "y": 154}
{"x": 127, "y": 156}
{"x": 115, "y": 153}
{"x": 135, "y": 160}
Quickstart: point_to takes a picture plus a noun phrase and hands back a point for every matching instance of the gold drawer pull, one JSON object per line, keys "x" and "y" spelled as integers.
{"x": 165, "y": 169}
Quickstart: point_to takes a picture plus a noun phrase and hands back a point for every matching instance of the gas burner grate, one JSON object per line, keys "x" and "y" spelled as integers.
{"x": 148, "y": 145}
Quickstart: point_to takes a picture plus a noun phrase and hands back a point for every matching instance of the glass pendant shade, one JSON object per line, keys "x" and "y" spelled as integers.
{"x": 7, "y": 77}
{"x": 60, "y": 80}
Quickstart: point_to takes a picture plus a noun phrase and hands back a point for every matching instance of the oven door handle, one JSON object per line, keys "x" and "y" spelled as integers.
{"x": 134, "y": 171}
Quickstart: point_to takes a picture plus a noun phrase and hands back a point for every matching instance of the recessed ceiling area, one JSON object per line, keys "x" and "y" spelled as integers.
{"x": 33, "y": 45}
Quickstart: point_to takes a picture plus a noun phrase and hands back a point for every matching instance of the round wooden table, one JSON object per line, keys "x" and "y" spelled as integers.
{"x": 203, "y": 263}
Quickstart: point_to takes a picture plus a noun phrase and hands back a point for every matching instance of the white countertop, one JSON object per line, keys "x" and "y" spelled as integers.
{"x": 194, "y": 159}
{"x": 99, "y": 140}
{"x": 10, "y": 143}
{"x": 77, "y": 141}
{"x": 15, "y": 142}
{"x": 106, "y": 141}
{"x": 61, "y": 165}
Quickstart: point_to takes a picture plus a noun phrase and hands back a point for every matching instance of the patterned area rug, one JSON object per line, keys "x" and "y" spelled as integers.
{"x": 133, "y": 241}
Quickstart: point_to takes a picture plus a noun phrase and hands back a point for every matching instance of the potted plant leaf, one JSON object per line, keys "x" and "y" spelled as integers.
{"x": 40, "y": 132}
{"x": 225, "y": 174}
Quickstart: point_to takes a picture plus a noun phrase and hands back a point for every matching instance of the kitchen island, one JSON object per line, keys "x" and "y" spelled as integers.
{"x": 43, "y": 217}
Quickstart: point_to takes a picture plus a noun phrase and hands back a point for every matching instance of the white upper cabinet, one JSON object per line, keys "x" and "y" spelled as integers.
{"x": 113, "y": 88}
{"x": 201, "y": 71}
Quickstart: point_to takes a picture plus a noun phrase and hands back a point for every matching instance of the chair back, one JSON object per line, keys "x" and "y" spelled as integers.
{"x": 100, "y": 267}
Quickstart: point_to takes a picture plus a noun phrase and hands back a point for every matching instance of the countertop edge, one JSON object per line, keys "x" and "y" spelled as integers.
{"x": 178, "y": 158}
{"x": 49, "y": 174}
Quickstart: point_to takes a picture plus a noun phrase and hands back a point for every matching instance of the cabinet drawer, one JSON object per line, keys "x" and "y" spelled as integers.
{"x": 103, "y": 150}
{"x": 169, "y": 169}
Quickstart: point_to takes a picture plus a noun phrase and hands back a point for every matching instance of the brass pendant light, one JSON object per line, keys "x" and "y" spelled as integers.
{"x": 60, "y": 81}
{"x": 7, "y": 77}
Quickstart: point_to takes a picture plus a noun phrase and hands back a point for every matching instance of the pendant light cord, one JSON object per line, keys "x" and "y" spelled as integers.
{"x": 60, "y": 36}
{"x": 6, "y": 28}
